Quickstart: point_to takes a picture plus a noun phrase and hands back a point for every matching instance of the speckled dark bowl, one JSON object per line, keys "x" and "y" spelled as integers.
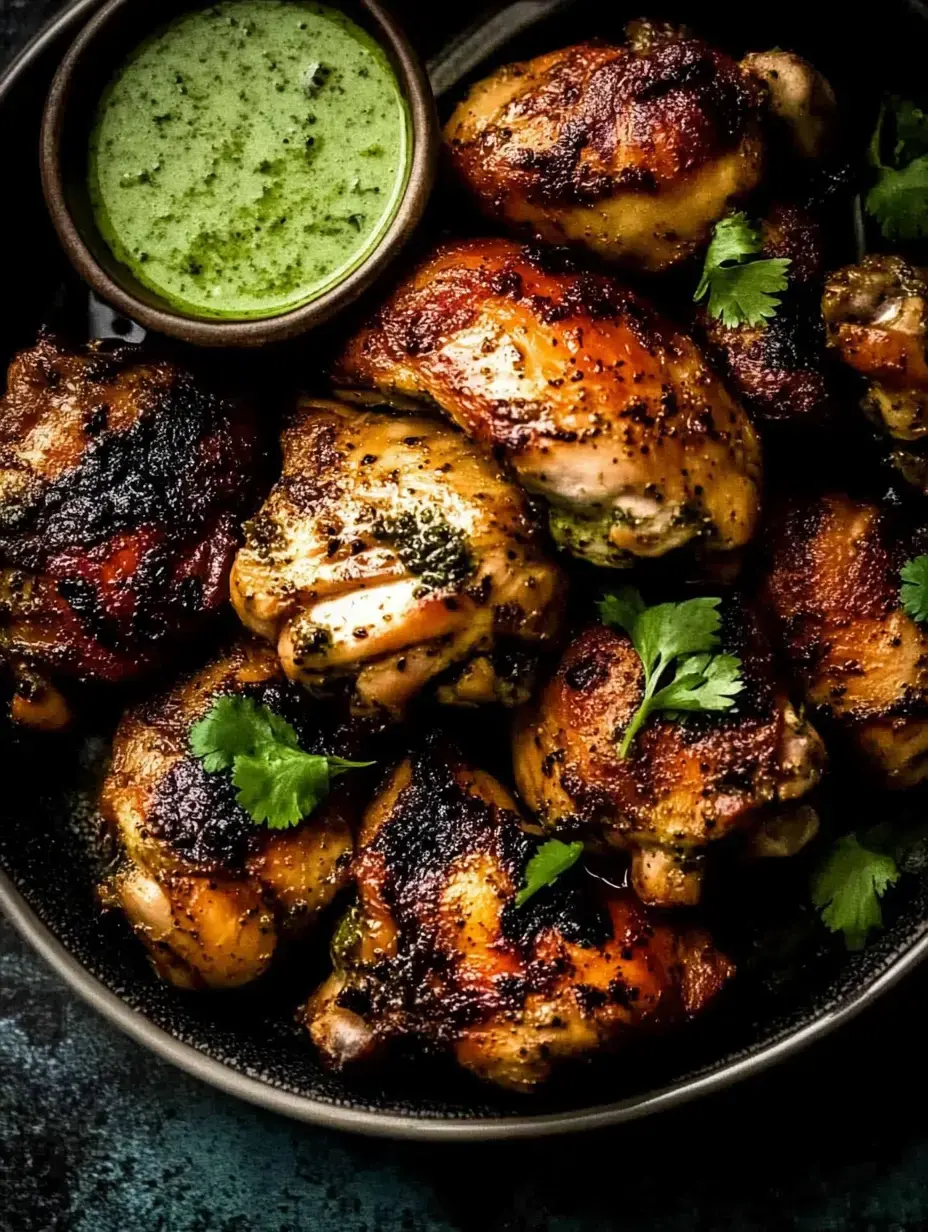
{"x": 794, "y": 984}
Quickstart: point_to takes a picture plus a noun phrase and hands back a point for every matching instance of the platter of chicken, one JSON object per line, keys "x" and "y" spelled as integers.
{"x": 504, "y": 707}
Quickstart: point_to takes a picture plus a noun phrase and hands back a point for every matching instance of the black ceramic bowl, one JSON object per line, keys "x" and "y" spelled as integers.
{"x": 794, "y": 983}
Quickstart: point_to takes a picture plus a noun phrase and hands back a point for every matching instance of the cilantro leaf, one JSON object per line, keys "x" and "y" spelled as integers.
{"x": 546, "y": 865}
{"x": 914, "y": 589}
{"x": 742, "y": 289}
{"x": 670, "y": 630}
{"x": 278, "y": 783}
{"x": 280, "y": 786}
{"x": 236, "y": 724}
{"x": 747, "y": 294}
{"x": 705, "y": 683}
{"x": 898, "y": 199}
{"x": 733, "y": 239}
{"x": 621, "y": 608}
{"x": 848, "y": 886}
{"x": 678, "y": 636}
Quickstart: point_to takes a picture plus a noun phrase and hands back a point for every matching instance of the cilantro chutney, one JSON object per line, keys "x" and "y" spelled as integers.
{"x": 249, "y": 156}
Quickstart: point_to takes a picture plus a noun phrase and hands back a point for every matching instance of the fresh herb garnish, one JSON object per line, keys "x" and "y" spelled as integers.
{"x": 848, "y": 886}
{"x": 678, "y": 636}
{"x": 914, "y": 589}
{"x": 546, "y": 865}
{"x": 278, "y": 783}
{"x": 898, "y": 200}
{"x": 742, "y": 288}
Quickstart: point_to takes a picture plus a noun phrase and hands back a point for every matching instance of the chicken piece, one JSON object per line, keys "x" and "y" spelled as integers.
{"x": 778, "y": 368}
{"x": 833, "y": 587}
{"x": 632, "y": 151}
{"x": 438, "y": 953}
{"x": 596, "y": 403}
{"x": 801, "y": 100}
{"x": 875, "y": 316}
{"x": 122, "y": 481}
{"x": 392, "y": 552}
{"x": 683, "y": 784}
{"x": 209, "y": 892}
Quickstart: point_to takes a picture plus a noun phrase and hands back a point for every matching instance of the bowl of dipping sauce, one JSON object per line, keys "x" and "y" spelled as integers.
{"x": 239, "y": 172}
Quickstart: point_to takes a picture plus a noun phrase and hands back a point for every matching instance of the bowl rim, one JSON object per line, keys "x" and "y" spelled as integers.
{"x": 246, "y": 332}
{"x": 138, "y": 1027}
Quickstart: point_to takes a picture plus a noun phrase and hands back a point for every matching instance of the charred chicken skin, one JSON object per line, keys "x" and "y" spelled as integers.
{"x": 876, "y": 315}
{"x": 393, "y": 552}
{"x": 438, "y": 953}
{"x": 683, "y": 784}
{"x": 778, "y": 368}
{"x": 122, "y": 481}
{"x": 833, "y": 586}
{"x": 596, "y": 403}
{"x": 632, "y": 151}
{"x": 208, "y": 892}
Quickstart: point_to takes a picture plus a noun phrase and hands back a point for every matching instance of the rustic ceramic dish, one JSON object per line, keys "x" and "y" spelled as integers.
{"x": 794, "y": 985}
{"x": 89, "y": 64}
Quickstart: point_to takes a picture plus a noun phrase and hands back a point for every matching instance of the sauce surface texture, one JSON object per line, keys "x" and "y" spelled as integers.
{"x": 248, "y": 156}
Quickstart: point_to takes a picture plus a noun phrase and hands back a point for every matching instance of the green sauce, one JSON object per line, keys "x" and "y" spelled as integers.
{"x": 249, "y": 155}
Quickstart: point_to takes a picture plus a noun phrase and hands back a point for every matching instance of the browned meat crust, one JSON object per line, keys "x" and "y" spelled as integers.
{"x": 684, "y": 784}
{"x": 833, "y": 586}
{"x": 439, "y": 953}
{"x": 122, "y": 481}
{"x": 633, "y": 151}
{"x": 778, "y": 369}
{"x": 208, "y": 891}
{"x": 597, "y": 403}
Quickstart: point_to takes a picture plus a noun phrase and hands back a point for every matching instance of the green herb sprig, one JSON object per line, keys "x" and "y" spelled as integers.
{"x": 741, "y": 287}
{"x": 546, "y": 865}
{"x": 278, "y": 783}
{"x": 914, "y": 589}
{"x": 848, "y": 885}
{"x": 898, "y": 199}
{"x": 680, "y": 638}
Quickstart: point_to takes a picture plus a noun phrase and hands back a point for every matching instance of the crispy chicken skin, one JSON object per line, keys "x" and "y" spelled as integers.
{"x": 682, "y": 785}
{"x": 208, "y": 892}
{"x": 631, "y": 151}
{"x": 122, "y": 481}
{"x": 596, "y": 403}
{"x": 832, "y": 584}
{"x": 438, "y": 953}
{"x": 393, "y": 552}
{"x": 778, "y": 368}
{"x": 875, "y": 315}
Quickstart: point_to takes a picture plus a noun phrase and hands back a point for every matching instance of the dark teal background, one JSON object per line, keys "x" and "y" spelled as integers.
{"x": 98, "y": 1136}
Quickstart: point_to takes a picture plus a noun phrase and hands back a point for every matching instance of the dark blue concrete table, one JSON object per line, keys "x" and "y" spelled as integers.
{"x": 98, "y": 1136}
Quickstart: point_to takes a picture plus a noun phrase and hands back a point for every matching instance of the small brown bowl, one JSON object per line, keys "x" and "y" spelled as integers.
{"x": 85, "y": 71}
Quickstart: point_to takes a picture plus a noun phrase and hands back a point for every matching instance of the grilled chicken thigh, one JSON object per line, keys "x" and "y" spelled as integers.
{"x": 208, "y": 891}
{"x": 393, "y": 552}
{"x": 596, "y": 403}
{"x": 778, "y": 368}
{"x": 875, "y": 314}
{"x": 684, "y": 783}
{"x": 437, "y": 951}
{"x": 122, "y": 481}
{"x": 833, "y": 587}
{"x": 632, "y": 151}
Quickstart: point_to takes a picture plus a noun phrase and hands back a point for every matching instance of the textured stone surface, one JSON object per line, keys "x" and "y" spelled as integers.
{"x": 96, "y": 1135}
